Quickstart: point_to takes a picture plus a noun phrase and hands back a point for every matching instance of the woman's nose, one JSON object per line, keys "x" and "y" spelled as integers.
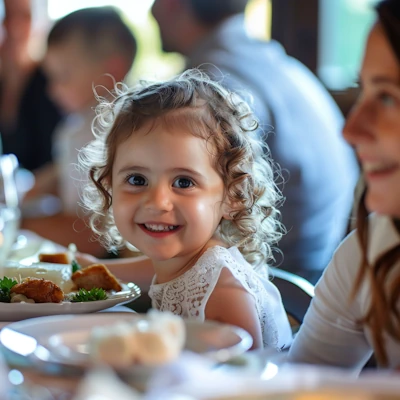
{"x": 158, "y": 199}
{"x": 359, "y": 124}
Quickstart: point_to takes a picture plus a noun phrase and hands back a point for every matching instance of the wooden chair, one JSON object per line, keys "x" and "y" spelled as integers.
{"x": 296, "y": 293}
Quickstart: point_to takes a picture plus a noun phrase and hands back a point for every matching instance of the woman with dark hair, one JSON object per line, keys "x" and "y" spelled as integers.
{"x": 356, "y": 309}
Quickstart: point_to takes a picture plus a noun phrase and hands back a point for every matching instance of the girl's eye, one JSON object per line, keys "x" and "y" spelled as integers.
{"x": 136, "y": 180}
{"x": 387, "y": 99}
{"x": 183, "y": 183}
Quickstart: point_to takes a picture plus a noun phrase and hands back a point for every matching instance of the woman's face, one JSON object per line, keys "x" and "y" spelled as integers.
{"x": 373, "y": 126}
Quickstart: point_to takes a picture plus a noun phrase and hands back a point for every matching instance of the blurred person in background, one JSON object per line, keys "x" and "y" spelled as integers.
{"x": 27, "y": 116}
{"x": 301, "y": 122}
{"x": 89, "y": 49}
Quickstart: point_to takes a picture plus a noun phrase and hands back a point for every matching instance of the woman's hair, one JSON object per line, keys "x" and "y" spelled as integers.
{"x": 383, "y": 314}
{"x": 389, "y": 18}
{"x": 210, "y": 112}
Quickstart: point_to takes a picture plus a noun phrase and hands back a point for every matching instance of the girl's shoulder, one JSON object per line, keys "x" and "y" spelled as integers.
{"x": 228, "y": 267}
{"x": 219, "y": 257}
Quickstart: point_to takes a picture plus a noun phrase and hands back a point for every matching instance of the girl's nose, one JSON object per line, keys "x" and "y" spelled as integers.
{"x": 158, "y": 199}
{"x": 359, "y": 124}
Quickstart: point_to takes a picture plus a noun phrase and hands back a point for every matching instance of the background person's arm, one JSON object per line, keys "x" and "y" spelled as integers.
{"x": 330, "y": 333}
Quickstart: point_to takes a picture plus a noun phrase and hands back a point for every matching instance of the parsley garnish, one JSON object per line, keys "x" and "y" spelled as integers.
{"x": 5, "y": 286}
{"x": 89, "y": 295}
{"x": 75, "y": 266}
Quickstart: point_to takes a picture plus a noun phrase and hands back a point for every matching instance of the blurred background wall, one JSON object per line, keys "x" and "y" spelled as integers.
{"x": 326, "y": 35}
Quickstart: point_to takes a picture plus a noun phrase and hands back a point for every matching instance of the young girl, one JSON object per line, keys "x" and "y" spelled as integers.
{"x": 180, "y": 178}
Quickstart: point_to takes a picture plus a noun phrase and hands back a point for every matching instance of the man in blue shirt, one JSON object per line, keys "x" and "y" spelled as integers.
{"x": 299, "y": 121}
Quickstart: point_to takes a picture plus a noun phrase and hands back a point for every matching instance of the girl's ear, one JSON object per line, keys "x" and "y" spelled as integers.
{"x": 227, "y": 210}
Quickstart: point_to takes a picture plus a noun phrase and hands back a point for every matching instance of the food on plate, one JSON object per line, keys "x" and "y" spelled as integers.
{"x": 157, "y": 338}
{"x": 60, "y": 274}
{"x": 55, "y": 258}
{"x": 94, "y": 294}
{"x": 75, "y": 266}
{"x": 96, "y": 276}
{"x": 20, "y": 298}
{"x": 60, "y": 258}
{"x": 39, "y": 290}
{"x": 55, "y": 274}
{"x": 5, "y": 286}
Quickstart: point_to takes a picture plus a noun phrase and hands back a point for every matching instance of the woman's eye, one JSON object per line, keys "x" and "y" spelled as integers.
{"x": 387, "y": 99}
{"x": 136, "y": 180}
{"x": 183, "y": 183}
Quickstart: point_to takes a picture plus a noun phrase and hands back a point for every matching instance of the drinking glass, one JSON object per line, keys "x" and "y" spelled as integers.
{"x": 10, "y": 214}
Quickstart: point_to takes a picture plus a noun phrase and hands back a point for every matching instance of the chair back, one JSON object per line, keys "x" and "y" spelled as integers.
{"x": 296, "y": 293}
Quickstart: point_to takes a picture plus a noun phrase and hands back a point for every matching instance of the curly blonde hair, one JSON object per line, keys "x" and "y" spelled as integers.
{"x": 210, "y": 112}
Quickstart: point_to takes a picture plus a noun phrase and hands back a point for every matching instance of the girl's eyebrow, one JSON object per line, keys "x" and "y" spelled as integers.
{"x": 138, "y": 168}
{"x": 188, "y": 171}
{"x": 133, "y": 168}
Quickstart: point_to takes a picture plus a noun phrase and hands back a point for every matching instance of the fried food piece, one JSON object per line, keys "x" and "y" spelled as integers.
{"x": 40, "y": 290}
{"x": 55, "y": 258}
{"x": 96, "y": 276}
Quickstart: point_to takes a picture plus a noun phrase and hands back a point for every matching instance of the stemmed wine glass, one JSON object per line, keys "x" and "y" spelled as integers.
{"x": 10, "y": 214}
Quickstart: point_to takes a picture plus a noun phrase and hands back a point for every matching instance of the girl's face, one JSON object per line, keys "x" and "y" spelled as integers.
{"x": 373, "y": 126}
{"x": 166, "y": 195}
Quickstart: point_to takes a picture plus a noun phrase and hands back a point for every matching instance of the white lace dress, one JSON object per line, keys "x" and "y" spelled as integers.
{"x": 188, "y": 294}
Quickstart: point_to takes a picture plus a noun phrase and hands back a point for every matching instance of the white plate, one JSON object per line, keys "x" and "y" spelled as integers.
{"x": 28, "y": 246}
{"x": 58, "y": 344}
{"x": 20, "y": 311}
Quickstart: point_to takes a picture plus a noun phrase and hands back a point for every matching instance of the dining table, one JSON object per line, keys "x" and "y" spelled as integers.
{"x": 253, "y": 375}
{"x": 238, "y": 374}
{"x": 29, "y": 383}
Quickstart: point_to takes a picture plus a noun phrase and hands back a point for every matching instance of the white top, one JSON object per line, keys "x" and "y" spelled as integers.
{"x": 71, "y": 135}
{"x": 188, "y": 294}
{"x": 330, "y": 333}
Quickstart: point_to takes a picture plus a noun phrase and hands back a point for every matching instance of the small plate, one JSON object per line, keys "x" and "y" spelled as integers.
{"x": 58, "y": 344}
{"x": 28, "y": 246}
{"x": 20, "y": 311}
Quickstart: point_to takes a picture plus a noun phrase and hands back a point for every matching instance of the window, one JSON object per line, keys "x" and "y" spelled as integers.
{"x": 258, "y": 18}
{"x": 343, "y": 29}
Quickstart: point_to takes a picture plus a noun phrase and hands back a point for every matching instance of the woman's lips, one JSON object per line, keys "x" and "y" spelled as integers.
{"x": 373, "y": 171}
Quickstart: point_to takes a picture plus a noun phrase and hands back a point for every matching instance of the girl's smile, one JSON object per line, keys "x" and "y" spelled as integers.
{"x": 158, "y": 230}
